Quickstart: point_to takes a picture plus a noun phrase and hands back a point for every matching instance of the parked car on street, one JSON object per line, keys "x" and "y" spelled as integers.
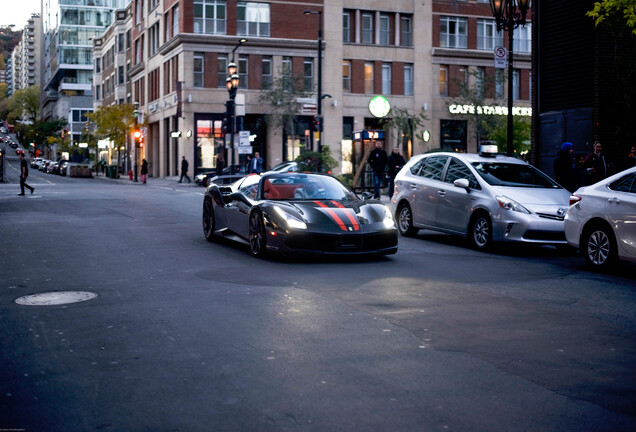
{"x": 486, "y": 197}
{"x": 62, "y": 168}
{"x": 284, "y": 167}
{"x": 53, "y": 168}
{"x": 293, "y": 213}
{"x": 601, "y": 221}
{"x": 34, "y": 162}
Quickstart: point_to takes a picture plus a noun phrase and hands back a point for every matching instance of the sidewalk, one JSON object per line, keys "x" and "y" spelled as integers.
{"x": 155, "y": 181}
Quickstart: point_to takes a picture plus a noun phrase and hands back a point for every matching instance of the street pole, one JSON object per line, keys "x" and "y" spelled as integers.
{"x": 509, "y": 14}
{"x": 510, "y": 135}
{"x": 319, "y": 107}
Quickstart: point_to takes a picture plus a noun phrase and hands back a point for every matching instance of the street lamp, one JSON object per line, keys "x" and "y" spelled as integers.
{"x": 232, "y": 84}
{"x": 319, "y": 98}
{"x": 509, "y": 15}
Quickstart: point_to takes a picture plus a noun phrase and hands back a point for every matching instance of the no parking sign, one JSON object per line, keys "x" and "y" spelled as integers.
{"x": 501, "y": 55}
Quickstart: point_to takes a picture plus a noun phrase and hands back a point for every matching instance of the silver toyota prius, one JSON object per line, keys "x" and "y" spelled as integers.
{"x": 487, "y": 197}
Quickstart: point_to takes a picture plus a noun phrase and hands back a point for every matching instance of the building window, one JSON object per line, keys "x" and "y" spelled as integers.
{"x": 499, "y": 84}
{"x": 453, "y": 32}
{"x": 367, "y": 28}
{"x": 120, "y": 75}
{"x": 487, "y": 35}
{"x": 167, "y": 25}
{"x": 286, "y": 73}
{"x": 522, "y": 41}
{"x": 443, "y": 81}
{"x": 221, "y": 71}
{"x": 197, "y": 67}
{"x": 209, "y": 16}
{"x": 308, "y": 74}
{"x": 98, "y": 65}
{"x": 346, "y": 27}
{"x": 243, "y": 72}
{"x": 408, "y": 80}
{"x": 406, "y": 31}
{"x": 386, "y": 78}
{"x": 121, "y": 42}
{"x": 137, "y": 51}
{"x": 385, "y": 30}
{"x": 253, "y": 19}
{"x": 368, "y": 78}
{"x": 267, "y": 79}
{"x": 175, "y": 20}
{"x": 480, "y": 74}
{"x": 515, "y": 84}
{"x": 346, "y": 75}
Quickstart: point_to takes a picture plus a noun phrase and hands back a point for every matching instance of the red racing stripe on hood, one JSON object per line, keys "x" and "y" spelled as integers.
{"x": 350, "y": 214}
{"x": 333, "y": 215}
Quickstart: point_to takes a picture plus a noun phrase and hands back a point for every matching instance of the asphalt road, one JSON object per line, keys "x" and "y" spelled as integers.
{"x": 185, "y": 335}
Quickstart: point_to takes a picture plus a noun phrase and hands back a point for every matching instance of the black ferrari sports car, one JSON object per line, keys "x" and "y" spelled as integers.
{"x": 297, "y": 214}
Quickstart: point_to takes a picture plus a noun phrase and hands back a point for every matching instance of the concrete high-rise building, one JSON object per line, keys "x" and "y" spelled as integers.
{"x": 25, "y": 58}
{"x": 69, "y": 31}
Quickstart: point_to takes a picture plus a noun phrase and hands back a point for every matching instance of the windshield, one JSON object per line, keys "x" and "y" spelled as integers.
{"x": 305, "y": 187}
{"x": 513, "y": 175}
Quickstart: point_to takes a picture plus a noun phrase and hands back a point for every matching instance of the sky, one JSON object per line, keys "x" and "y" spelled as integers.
{"x": 17, "y": 12}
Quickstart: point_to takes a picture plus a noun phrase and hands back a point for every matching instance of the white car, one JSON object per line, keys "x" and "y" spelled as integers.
{"x": 601, "y": 221}
{"x": 486, "y": 197}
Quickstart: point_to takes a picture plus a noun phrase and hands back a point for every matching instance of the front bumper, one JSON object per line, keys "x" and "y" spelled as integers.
{"x": 383, "y": 242}
{"x": 527, "y": 228}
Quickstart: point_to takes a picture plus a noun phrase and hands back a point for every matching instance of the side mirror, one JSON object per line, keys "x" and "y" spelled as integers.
{"x": 366, "y": 196}
{"x": 462, "y": 183}
{"x": 237, "y": 196}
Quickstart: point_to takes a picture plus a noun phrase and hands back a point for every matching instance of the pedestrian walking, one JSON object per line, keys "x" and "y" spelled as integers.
{"x": 220, "y": 164}
{"x": 144, "y": 171}
{"x": 564, "y": 166}
{"x": 396, "y": 162}
{"x": 256, "y": 164}
{"x": 596, "y": 167}
{"x": 184, "y": 170}
{"x": 378, "y": 160}
{"x": 24, "y": 173}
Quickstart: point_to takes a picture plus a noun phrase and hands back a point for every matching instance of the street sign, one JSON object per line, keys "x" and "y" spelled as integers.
{"x": 309, "y": 108}
{"x": 501, "y": 56}
{"x": 244, "y": 138}
{"x": 245, "y": 150}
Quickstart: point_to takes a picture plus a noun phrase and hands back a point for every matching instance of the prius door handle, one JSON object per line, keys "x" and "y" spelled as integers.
{"x": 613, "y": 200}
{"x": 441, "y": 192}
{"x": 413, "y": 186}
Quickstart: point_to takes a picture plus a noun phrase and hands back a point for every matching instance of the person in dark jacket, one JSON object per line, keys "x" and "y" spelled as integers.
{"x": 377, "y": 160}
{"x": 630, "y": 160}
{"x": 184, "y": 170}
{"x": 595, "y": 165}
{"x": 220, "y": 164}
{"x": 144, "y": 171}
{"x": 396, "y": 162}
{"x": 564, "y": 166}
{"x": 24, "y": 173}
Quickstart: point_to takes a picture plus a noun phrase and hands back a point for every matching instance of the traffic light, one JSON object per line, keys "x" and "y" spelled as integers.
{"x": 139, "y": 138}
{"x": 316, "y": 124}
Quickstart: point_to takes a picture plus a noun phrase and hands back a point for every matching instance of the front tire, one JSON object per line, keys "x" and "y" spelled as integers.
{"x": 598, "y": 245}
{"x": 480, "y": 232}
{"x": 258, "y": 236}
{"x": 209, "y": 221}
{"x": 404, "y": 218}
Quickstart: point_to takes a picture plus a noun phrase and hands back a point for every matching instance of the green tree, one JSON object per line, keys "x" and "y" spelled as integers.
{"x": 282, "y": 103}
{"x": 25, "y": 104}
{"x": 498, "y": 133}
{"x": 405, "y": 124}
{"x": 615, "y": 10}
{"x": 475, "y": 95}
{"x": 314, "y": 161}
{"x": 114, "y": 122}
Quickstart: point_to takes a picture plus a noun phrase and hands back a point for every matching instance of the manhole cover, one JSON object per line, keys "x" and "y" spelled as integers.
{"x": 55, "y": 298}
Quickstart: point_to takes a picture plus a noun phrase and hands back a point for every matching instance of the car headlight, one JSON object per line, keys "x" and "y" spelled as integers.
{"x": 200, "y": 177}
{"x": 388, "y": 219}
{"x": 291, "y": 221}
{"x": 512, "y": 205}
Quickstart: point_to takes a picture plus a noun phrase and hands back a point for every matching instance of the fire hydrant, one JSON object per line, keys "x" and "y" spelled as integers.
{"x": 130, "y": 175}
